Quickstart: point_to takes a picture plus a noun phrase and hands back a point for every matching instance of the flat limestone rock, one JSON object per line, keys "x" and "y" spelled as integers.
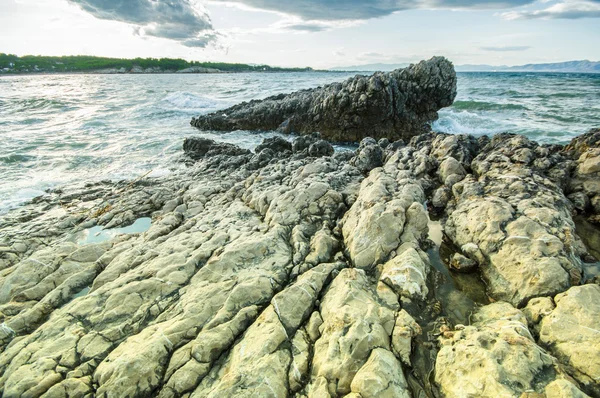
{"x": 394, "y": 105}
{"x": 495, "y": 357}
{"x": 572, "y": 333}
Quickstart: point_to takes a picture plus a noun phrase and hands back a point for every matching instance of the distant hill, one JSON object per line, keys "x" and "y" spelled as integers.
{"x": 10, "y": 63}
{"x": 570, "y": 66}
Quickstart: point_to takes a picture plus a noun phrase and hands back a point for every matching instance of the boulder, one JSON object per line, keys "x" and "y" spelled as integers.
{"x": 197, "y": 148}
{"x": 368, "y": 156}
{"x": 398, "y": 104}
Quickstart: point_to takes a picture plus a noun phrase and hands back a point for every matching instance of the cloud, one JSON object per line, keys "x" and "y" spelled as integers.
{"x": 178, "y": 20}
{"x": 569, "y": 9}
{"x": 505, "y": 48}
{"x": 331, "y": 10}
{"x": 201, "y": 41}
{"x": 306, "y": 27}
{"x": 297, "y": 24}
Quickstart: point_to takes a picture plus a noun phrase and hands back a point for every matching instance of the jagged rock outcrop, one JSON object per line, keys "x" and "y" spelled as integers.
{"x": 584, "y": 186}
{"x": 295, "y": 272}
{"x": 398, "y": 104}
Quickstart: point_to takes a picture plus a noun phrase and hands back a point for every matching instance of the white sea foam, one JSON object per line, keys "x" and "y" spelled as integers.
{"x": 124, "y": 127}
{"x": 185, "y": 100}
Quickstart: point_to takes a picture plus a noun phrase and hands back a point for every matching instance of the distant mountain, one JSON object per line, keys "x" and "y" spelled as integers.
{"x": 369, "y": 67}
{"x": 570, "y": 67}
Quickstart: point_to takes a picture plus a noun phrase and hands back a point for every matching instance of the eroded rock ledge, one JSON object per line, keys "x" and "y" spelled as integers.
{"x": 300, "y": 271}
{"x": 398, "y": 104}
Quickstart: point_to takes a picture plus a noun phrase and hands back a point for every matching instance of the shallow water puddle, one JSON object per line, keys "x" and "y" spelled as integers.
{"x": 98, "y": 234}
{"x": 459, "y": 293}
{"x": 82, "y": 292}
{"x": 435, "y": 232}
{"x": 590, "y": 236}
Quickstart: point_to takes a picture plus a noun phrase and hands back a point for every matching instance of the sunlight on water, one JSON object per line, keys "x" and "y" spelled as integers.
{"x": 62, "y": 129}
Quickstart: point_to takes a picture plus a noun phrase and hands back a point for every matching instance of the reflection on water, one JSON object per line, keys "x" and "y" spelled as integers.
{"x": 451, "y": 301}
{"x": 459, "y": 293}
{"x": 98, "y": 234}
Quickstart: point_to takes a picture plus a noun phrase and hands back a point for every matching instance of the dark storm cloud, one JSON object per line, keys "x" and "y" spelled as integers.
{"x": 331, "y": 10}
{"x": 170, "y": 19}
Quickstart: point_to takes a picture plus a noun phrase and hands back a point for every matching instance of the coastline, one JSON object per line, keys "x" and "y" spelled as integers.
{"x": 266, "y": 260}
{"x": 420, "y": 263}
{"x": 151, "y": 73}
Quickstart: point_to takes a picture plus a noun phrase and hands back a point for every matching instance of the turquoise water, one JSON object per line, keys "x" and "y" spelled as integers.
{"x": 99, "y": 234}
{"x": 547, "y": 107}
{"x": 67, "y": 128}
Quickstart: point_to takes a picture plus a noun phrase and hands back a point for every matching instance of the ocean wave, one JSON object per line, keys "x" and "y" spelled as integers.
{"x": 465, "y": 122}
{"x": 185, "y": 100}
{"x": 38, "y": 104}
{"x": 15, "y": 158}
{"x": 560, "y": 95}
{"x": 486, "y": 106}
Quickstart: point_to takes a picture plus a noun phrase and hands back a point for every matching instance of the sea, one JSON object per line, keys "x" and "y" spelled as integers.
{"x": 62, "y": 129}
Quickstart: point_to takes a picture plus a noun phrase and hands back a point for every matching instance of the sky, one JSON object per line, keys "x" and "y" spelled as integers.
{"x": 315, "y": 33}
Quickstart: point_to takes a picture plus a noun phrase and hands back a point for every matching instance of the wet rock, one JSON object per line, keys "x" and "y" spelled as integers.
{"x": 383, "y": 143}
{"x": 197, "y": 148}
{"x": 320, "y": 148}
{"x": 368, "y": 156}
{"x": 461, "y": 263}
{"x": 393, "y": 105}
{"x": 276, "y": 144}
{"x": 302, "y": 143}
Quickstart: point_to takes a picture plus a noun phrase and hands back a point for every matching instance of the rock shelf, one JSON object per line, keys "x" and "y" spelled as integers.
{"x": 300, "y": 271}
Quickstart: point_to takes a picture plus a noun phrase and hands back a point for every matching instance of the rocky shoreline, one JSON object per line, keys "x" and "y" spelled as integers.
{"x": 436, "y": 266}
{"x": 296, "y": 270}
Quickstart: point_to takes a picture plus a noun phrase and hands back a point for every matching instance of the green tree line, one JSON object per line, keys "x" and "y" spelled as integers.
{"x": 81, "y": 63}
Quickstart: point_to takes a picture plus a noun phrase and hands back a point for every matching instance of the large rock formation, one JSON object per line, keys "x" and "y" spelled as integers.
{"x": 297, "y": 271}
{"x": 398, "y": 104}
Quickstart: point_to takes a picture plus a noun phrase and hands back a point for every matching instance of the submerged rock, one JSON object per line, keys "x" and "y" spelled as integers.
{"x": 398, "y": 104}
